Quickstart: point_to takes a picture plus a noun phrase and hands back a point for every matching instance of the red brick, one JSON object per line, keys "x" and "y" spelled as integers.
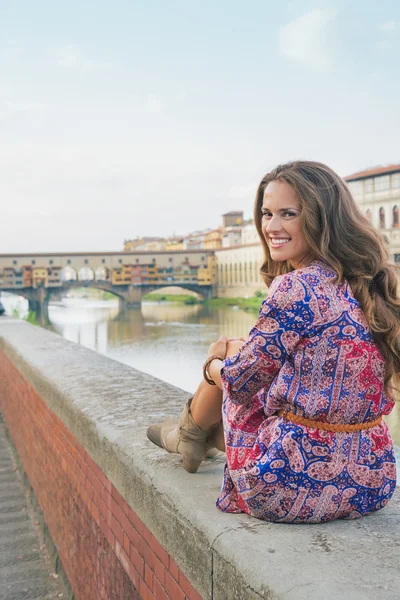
{"x": 117, "y": 496}
{"x": 96, "y": 483}
{"x": 172, "y": 588}
{"x": 187, "y": 587}
{"x": 159, "y": 569}
{"x": 147, "y": 553}
{"x": 158, "y": 590}
{"x": 126, "y": 564}
{"x": 136, "y": 522}
{"x": 145, "y": 592}
{"x": 117, "y": 530}
{"x": 137, "y": 561}
{"x": 127, "y": 543}
{"x": 148, "y": 576}
{"x": 158, "y": 550}
{"x": 95, "y": 513}
{"x": 174, "y": 569}
{"x": 89, "y": 489}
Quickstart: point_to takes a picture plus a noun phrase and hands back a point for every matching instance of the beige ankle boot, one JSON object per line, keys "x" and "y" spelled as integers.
{"x": 184, "y": 438}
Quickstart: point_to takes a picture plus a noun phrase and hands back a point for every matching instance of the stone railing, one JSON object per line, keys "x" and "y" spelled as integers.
{"x": 129, "y": 522}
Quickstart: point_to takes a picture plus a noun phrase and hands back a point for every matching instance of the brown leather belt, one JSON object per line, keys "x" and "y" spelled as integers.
{"x": 338, "y": 427}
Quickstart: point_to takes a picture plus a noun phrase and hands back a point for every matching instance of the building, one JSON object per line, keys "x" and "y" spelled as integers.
{"x": 377, "y": 192}
{"x": 195, "y": 240}
{"x": 174, "y": 243}
{"x": 40, "y": 277}
{"x": 232, "y": 218}
{"x": 250, "y": 234}
{"x": 238, "y": 271}
{"x": 145, "y": 244}
{"x": 213, "y": 239}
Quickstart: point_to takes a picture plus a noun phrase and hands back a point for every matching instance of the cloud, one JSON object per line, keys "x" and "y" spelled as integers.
{"x": 388, "y": 25}
{"x": 304, "y": 39}
{"x": 153, "y": 104}
{"x": 11, "y": 111}
{"x": 242, "y": 192}
{"x": 9, "y": 53}
{"x": 72, "y": 57}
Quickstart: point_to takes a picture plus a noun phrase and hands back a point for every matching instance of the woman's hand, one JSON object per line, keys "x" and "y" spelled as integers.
{"x": 233, "y": 346}
{"x": 219, "y": 347}
{"x": 226, "y": 347}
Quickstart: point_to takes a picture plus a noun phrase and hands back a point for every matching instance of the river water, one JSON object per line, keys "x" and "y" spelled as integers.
{"x": 165, "y": 340}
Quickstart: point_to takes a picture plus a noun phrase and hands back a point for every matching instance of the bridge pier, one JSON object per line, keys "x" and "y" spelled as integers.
{"x": 38, "y": 303}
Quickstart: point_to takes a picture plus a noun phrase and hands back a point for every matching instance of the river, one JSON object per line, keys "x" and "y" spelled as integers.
{"x": 165, "y": 340}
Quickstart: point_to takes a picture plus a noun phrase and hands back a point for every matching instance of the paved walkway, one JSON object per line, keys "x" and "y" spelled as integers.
{"x": 24, "y": 571}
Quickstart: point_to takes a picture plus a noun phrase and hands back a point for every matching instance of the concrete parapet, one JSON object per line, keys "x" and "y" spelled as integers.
{"x": 148, "y": 528}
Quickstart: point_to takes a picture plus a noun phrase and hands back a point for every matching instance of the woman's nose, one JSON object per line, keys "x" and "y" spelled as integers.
{"x": 274, "y": 224}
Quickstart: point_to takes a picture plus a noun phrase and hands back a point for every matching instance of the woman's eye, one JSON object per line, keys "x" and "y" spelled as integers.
{"x": 266, "y": 214}
{"x": 288, "y": 213}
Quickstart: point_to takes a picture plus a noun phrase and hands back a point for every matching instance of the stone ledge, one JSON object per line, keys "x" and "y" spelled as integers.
{"x": 108, "y": 406}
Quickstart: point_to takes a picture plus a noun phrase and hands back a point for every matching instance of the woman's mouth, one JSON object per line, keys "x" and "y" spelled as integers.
{"x": 278, "y": 242}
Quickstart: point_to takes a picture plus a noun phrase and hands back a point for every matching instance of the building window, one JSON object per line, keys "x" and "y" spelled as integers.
{"x": 86, "y": 261}
{"x": 14, "y": 262}
{"x": 137, "y": 260}
{"x": 33, "y": 262}
{"x": 120, "y": 261}
{"x": 397, "y": 258}
{"x": 356, "y": 187}
{"x": 368, "y": 214}
{"x": 50, "y": 262}
{"x": 382, "y": 183}
{"x": 396, "y": 217}
{"x": 369, "y": 186}
{"x": 68, "y": 262}
{"x": 170, "y": 259}
{"x": 396, "y": 181}
{"x": 382, "y": 217}
{"x": 103, "y": 260}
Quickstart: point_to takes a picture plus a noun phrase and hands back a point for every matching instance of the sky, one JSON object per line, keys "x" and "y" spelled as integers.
{"x": 154, "y": 117}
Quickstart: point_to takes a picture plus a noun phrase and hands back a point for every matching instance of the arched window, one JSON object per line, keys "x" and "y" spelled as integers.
{"x": 382, "y": 217}
{"x": 368, "y": 214}
{"x": 396, "y": 222}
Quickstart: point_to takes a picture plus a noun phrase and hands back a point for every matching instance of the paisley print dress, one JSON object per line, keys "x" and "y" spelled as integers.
{"x": 311, "y": 352}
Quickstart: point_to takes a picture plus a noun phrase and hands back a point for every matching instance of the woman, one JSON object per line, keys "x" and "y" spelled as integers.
{"x": 303, "y": 398}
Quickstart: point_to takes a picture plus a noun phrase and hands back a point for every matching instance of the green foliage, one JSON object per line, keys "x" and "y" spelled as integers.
{"x": 178, "y": 298}
{"x": 31, "y": 318}
{"x": 251, "y": 304}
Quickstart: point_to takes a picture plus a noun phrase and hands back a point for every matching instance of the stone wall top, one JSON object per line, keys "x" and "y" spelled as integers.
{"x": 108, "y": 406}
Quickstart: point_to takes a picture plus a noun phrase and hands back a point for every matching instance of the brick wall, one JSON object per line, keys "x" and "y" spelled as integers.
{"x": 106, "y": 550}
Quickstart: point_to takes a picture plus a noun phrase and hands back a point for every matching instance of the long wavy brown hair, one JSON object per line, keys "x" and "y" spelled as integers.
{"x": 338, "y": 233}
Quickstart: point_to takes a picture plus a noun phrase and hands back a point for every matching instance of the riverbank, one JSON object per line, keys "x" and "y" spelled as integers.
{"x": 251, "y": 304}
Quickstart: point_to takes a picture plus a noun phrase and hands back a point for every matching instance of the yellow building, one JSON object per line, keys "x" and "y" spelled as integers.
{"x": 208, "y": 275}
{"x": 40, "y": 277}
{"x": 213, "y": 240}
{"x": 173, "y": 244}
{"x": 122, "y": 275}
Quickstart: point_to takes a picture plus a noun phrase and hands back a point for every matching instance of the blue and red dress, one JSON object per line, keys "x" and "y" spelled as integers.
{"x": 312, "y": 353}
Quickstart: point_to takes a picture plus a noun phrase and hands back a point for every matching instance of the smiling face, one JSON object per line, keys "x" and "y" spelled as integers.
{"x": 281, "y": 225}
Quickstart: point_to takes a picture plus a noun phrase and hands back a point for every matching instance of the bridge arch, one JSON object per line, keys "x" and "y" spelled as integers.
{"x": 102, "y": 273}
{"x": 195, "y": 289}
{"x": 69, "y": 274}
{"x": 86, "y": 274}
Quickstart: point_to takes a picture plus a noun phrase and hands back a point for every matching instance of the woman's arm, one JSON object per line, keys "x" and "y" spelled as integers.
{"x": 231, "y": 348}
{"x": 285, "y": 317}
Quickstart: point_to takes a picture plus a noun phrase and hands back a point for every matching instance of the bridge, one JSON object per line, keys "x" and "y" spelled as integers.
{"x": 127, "y": 275}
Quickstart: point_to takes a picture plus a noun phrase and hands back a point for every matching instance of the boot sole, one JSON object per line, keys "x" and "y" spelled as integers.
{"x": 191, "y": 466}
